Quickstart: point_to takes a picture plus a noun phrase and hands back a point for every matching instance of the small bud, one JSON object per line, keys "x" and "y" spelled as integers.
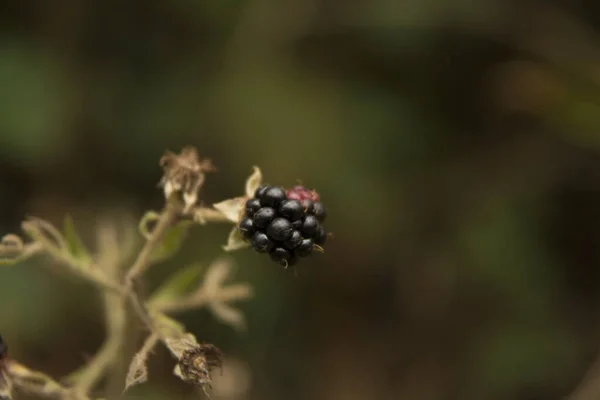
{"x": 197, "y": 363}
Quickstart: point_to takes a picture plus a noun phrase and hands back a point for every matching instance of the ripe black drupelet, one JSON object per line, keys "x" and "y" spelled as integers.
{"x": 286, "y": 224}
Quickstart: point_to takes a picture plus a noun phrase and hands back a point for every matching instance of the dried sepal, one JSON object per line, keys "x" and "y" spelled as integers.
{"x": 185, "y": 173}
{"x": 232, "y": 209}
{"x": 138, "y": 370}
{"x": 196, "y": 364}
{"x": 235, "y": 241}
{"x": 253, "y": 182}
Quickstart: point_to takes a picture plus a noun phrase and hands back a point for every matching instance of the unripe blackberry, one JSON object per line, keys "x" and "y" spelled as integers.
{"x": 247, "y": 228}
{"x": 281, "y": 256}
{"x": 273, "y": 197}
{"x": 291, "y": 209}
{"x": 261, "y": 242}
{"x": 305, "y": 248}
{"x": 252, "y": 206}
{"x": 263, "y": 217}
{"x": 280, "y": 230}
{"x": 310, "y": 226}
{"x": 294, "y": 240}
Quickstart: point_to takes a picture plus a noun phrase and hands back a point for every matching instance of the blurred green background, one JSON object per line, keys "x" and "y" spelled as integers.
{"x": 455, "y": 143}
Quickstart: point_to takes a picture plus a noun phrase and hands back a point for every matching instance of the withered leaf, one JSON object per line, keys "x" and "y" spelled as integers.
{"x": 180, "y": 344}
{"x": 138, "y": 370}
{"x": 229, "y": 315}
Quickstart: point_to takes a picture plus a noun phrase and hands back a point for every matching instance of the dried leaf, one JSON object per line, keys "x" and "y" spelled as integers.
{"x": 172, "y": 241}
{"x": 253, "y": 182}
{"x": 138, "y": 371}
{"x": 235, "y": 241}
{"x": 74, "y": 243}
{"x": 216, "y": 275}
{"x": 178, "y": 345}
{"x": 35, "y": 381}
{"x": 229, "y": 315}
{"x": 5, "y": 386}
{"x": 178, "y": 284}
{"x": 167, "y": 326}
{"x": 232, "y": 208}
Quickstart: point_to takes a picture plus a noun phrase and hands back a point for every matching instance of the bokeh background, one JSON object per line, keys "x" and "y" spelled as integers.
{"x": 455, "y": 143}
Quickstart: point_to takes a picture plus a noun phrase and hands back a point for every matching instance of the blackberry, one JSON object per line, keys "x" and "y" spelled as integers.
{"x": 309, "y": 206}
{"x": 252, "y": 206}
{"x": 297, "y": 224}
{"x": 305, "y": 248}
{"x": 281, "y": 256}
{"x": 273, "y": 196}
{"x": 291, "y": 209}
{"x": 263, "y": 217}
{"x": 261, "y": 242}
{"x": 310, "y": 226}
{"x": 286, "y": 224}
{"x": 294, "y": 240}
{"x": 247, "y": 228}
{"x": 321, "y": 236}
{"x": 319, "y": 211}
{"x": 280, "y": 229}
{"x": 261, "y": 191}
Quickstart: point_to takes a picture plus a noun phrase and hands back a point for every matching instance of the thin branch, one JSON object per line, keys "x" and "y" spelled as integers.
{"x": 115, "y": 308}
{"x": 88, "y": 272}
{"x": 143, "y": 261}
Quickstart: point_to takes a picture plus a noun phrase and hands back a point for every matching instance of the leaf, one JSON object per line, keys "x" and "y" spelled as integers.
{"x": 138, "y": 371}
{"x": 253, "y": 182}
{"x": 232, "y": 208}
{"x": 178, "y": 345}
{"x": 74, "y": 243}
{"x": 229, "y": 315}
{"x": 178, "y": 284}
{"x": 235, "y": 241}
{"x": 216, "y": 275}
{"x": 172, "y": 241}
{"x": 168, "y": 327}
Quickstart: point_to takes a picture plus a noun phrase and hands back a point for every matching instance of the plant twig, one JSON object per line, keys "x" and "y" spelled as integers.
{"x": 88, "y": 272}
{"x": 142, "y": 262}
{"x": 115, "y": 308}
